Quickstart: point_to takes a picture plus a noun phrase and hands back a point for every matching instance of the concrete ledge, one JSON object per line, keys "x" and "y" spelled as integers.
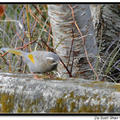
{"x": 20, "y": 93}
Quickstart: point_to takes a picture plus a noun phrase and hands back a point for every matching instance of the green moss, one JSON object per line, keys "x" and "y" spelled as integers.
{"x": 71, "y": 94}
{"x": 7, "y": 102}
{"x": 99, "y": 84}
{"x": 111, "y": 108}
{"x": 20, "y": 109}
{"x": 116, "y": 87}
{"x": 67, "y": 103}
{"x": 94, "y": 82}
{"x": 90, "y": 109}
{"x": 28, "y": 106}
{"x": 62, "y": 104}
{"x": 72, "y": 106}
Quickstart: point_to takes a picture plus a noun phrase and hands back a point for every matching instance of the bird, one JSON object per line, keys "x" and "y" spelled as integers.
{"x": 37, "y": 61}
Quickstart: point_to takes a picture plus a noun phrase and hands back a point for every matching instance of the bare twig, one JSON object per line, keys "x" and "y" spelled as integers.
{"x": 28, "y": 27}
{"x": 71, "y": 50}
{"x": 26, "y": 44}
{"x": 20, "y": 47}
{"x": 49, "y": 35}
{"x": 4, "y": 59}
{"x": 39, "y": 11}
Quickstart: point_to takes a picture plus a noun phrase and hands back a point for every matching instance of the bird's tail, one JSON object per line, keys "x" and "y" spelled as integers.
{"x": 13, "y": 51}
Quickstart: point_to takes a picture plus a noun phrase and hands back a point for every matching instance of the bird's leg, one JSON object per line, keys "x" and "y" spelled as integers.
{"x": 45, "y": 76}
{"x": 35, "y": 76}
{"x": 39, "y": 77}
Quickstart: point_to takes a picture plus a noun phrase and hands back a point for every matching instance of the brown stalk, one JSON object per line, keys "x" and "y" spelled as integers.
{"x": 71, "y": 50}
{"x": 4, "y": 59}
{"x": 38, "y": 21}
{"x": 35, "y": 17}
{"x": 48, "y": 36}
{"x": 20, "y": 47}
{"x": 39, "y": 11}
{"x": 26, "y": 44}
{"x": 28, "y": 26}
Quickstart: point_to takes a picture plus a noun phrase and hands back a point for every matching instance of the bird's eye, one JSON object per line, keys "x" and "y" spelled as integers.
{"x": 50, "y": 60}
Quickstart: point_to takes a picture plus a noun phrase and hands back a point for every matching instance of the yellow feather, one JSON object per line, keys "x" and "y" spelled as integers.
{"x": 30, "y": 56}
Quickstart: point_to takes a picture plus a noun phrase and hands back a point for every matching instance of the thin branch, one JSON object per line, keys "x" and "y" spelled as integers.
{"x": 71, "y": 50}
{"x": 28, "y": 27}
{"x": 20, "y": 47}
{"x": 39, "y": 11}
{"x": 3, "y": 59}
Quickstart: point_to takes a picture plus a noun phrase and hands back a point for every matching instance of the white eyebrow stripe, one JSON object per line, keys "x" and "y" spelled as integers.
{"x": 50, "y": 58}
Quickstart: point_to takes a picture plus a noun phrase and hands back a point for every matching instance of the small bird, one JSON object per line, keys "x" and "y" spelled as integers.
{"x": 37, "y": 61}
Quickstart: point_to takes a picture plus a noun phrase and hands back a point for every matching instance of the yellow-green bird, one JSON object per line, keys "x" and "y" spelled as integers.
{"x": 37, "y": 61}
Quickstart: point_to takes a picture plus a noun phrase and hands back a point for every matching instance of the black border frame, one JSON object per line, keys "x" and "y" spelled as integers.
{"x": 60, "y": 114}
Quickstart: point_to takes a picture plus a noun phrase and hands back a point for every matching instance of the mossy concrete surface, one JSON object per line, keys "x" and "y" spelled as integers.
{"x": 20, "y": 93}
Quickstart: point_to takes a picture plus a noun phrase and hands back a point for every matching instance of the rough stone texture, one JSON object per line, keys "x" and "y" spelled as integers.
{"x": 20, "y": 93}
